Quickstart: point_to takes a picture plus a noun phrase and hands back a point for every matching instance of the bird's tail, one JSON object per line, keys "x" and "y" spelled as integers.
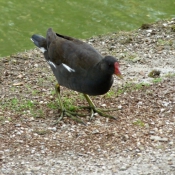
{"x": 40, "y": 42}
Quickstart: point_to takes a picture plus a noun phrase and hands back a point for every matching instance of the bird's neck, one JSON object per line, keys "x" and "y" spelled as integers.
{"x": 100, "y": 80}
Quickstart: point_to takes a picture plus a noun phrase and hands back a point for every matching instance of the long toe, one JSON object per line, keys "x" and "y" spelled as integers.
{"x": 70, "y": 114}
{"x": 74, "y": 117}
{"x": 99, "y": 111}
{"x": 96, "y": 110}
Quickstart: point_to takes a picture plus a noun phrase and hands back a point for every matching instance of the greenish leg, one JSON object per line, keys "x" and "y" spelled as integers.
{"x": 94, "y": 109}
{"x": 57, "y": 89}
{"x": 64, "y": 111}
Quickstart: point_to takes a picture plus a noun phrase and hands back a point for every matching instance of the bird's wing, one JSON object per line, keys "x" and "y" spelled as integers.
{"x": 70, "y": 51}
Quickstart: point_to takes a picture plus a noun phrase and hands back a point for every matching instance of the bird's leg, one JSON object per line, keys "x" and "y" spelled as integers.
{"x": 94, "y": 109}
{"x": 57, "y": 89}
{"x": 63, "y": 110}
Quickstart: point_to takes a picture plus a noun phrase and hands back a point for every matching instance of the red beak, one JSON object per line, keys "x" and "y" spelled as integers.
{"x": 117, "y": 71}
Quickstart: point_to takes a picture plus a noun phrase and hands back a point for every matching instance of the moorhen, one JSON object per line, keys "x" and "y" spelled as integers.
{"x": 77, "y": 66}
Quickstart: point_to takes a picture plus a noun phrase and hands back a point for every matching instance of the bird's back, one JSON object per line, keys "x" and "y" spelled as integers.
{"x": 70, "y": 51}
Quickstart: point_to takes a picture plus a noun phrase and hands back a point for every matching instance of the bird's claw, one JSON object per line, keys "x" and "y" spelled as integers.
{"x": 71, "y": 115}
{"x": 99, "y": 111}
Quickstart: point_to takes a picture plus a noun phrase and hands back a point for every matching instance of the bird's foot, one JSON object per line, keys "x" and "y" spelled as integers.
{"x": 101, "y": 113}
{"x": 96, "y": 110}
{"x": 64, "y": 111}
{"x": 71, "y": 115}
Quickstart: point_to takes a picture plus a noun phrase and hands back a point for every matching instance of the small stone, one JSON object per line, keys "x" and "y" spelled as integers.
{"x": 123, "y": 168}
{"x": 109, "y": 167}
{"x": 165, "y": 24}
{"x": 120, "y": 107}
{"x": 42, "y": 151}
{"x": 103, "y": 105}
{"x": 157, "y": 138}
{"x": 96, "y": 131}
{"x": 173, "y": 166}
{"x": 20, "y": 76}
{"x": 18, "y": 125}
{"x": 171, "y": 143}
{"x": 36, "y": 168}
{"x": 51, "y": 97}
{"x": 32, "y": 151}
{"x": 169, "y": 158}
{"x": 152, "y": 132}
{"x": 136, "y": 59}
{"x": 6, "y": 73}
{"x": 149, "y": 31}
{"x": 164, "y": 139}
{"x": 35, "y": 65}
{"x": 114, "y": 170}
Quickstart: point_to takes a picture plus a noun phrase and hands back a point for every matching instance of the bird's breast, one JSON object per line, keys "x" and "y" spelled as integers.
{"x": 88, "y": 82}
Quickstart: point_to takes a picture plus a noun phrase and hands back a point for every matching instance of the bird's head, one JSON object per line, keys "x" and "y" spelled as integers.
{"x": 111, "y": 65}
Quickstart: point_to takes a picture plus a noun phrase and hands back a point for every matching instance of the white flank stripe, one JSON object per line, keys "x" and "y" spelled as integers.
{"x": 42, "y": 49}
{"x": 68, "y": 68}
{"x": 51, "y": 63}
{"x": 31, "y": 39}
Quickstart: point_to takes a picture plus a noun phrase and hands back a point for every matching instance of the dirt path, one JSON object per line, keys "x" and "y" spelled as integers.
{"x": 140, "y": 141}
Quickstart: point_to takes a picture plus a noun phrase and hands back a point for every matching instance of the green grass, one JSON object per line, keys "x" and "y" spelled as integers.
{"x": 52, "y": 105}
{"x": 132, "y": 87}
{"x": 132, "y": 56}
{"x": 170, "y": 75}
{"x": 141, "y": 85}
{"x": 37, "y": 113}
{"x": 68, "y": 103}
{"x": 17, "y": 105}
{"x": 173, "y": 28}
{"x": 161, "y": 42}
{"x": 110, "y": 93}
{"x": 35, "y": 92}
{"x": 52, "y": 92}
{"x": 157, "y": 80}
{"x": 126, "y": 88}
{"x": 40, "y": 81}
{"x": 41, "y": 132}
{"x": 2, "y": 118}
{"x": 139, "y": 122}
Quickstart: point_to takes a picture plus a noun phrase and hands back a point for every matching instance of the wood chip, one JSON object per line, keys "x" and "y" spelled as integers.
{"x": 18, "y": 84}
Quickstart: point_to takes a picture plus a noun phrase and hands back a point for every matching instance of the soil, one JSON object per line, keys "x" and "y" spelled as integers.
{"x": 140, "y": 141}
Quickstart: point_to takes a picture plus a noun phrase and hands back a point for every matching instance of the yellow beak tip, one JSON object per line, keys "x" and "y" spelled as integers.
{"x": 120, "y": 76}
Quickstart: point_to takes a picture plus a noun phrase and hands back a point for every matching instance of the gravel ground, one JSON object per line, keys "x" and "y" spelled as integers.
{"x": 140, "y": 141}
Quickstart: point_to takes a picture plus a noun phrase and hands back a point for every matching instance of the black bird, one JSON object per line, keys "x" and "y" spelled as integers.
{"x": 77, "y": 66}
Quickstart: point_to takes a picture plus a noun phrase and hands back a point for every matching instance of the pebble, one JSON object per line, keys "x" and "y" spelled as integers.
{"x": 66, "y": 163}
{"x": 123, "y": 168}
{"x": 103, "y": 105}
{"x": 52, "y": 129}
{"x": 18, "y": 125}
{"x": 120, "y": 107}
{"x": 171, "y": 143}
{"x": 157, "y": 138}
{"x": 36, "y": 65}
